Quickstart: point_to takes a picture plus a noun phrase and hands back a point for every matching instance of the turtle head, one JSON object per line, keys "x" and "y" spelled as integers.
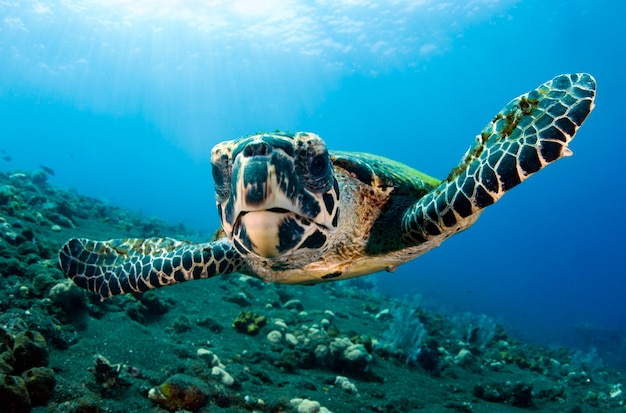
{"x": 276, "y": 193}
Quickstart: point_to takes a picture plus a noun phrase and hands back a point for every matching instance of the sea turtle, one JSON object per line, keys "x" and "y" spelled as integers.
{"x": 294, "y": 212}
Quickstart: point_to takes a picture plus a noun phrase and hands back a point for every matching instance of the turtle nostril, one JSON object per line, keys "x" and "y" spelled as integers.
{"x": 256, "y": 149}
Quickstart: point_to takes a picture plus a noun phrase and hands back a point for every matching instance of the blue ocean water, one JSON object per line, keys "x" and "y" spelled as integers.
{"x": 124, "y": 100}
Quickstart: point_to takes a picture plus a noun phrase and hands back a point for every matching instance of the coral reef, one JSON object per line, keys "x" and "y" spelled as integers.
{"x": 39, "y": 382}
{"x": 405, "y": 333}
{"x": 105, "y": 373}
{"x": 333, "y": 347}
{"x": 180, "y": 391}
{"x": 14, "y": 394}
{"x": 515, "y": 394}
{"x": 30, "y": 350}
{"x": 249, "y": 323}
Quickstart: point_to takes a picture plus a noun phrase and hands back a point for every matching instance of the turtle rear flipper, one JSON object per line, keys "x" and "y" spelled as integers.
{"x": 531, "y": 132}
{"x": 121, "y": 266}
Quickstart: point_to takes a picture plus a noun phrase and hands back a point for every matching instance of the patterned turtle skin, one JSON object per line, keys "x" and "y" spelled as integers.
{"x": 294, "y": 212}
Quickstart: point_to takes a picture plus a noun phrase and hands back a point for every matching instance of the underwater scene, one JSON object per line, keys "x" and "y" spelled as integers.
{"x": 147, "y": 143}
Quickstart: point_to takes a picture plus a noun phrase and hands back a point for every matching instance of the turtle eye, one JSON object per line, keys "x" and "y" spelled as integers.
{"x": 221, "y": 180}
{"x": 319, "y": 166}
{"x": 218, "y": 176}
{"x": 317, "y": 175}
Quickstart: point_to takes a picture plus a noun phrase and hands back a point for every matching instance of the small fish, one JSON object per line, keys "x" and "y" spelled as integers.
{"x": 6, "y": 158}
{"x": 49, "y": 171}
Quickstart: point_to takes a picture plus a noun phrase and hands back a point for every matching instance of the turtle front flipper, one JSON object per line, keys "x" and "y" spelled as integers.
{"x": 531, "y": 132}
{"x": 121, "y": 266}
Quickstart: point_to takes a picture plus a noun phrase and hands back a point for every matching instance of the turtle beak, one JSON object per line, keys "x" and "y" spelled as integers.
{"x": 255, "y": 182}
{"x": 259, "y": 187}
